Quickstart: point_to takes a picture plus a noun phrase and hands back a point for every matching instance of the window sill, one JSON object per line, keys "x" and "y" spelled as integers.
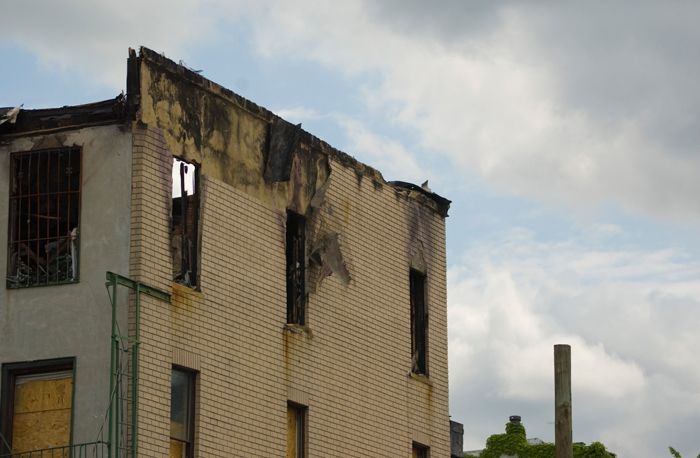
{"x": 15, "y": 286}
{"x": 421, "y": 378}
{"x": 186, "y": 290}
{"x": 299, "y": 329}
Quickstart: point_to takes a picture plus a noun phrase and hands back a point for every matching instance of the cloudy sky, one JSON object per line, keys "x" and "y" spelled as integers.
{"x": 567, "y": 135}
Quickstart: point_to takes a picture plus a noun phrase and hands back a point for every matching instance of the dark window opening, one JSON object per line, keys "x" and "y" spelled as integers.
{"x": 419, "y": 324}
{"x": 36, "y": 405}
{"x": 44, "y": 217}
{"x": 182, "y": 393}
{"x": 420, "y": 451}
{"x": 296, "y": 430}
{"x": 185, "y": 217}
{"x": 296, "y": 288}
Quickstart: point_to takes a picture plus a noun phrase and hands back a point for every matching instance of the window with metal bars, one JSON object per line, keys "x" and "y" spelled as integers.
{"x": 419, "y": 324}
{"x": 44, "y": 217}
{"x": 296, "y": 286}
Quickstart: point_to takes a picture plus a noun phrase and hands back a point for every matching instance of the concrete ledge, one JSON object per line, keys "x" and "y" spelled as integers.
{"x": 299, "y": 329}
{"x": 420, "y": 378}
{"x": 187, "y": 291}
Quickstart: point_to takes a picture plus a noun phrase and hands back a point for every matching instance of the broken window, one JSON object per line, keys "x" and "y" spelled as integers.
{"x": 296, "y": 287}
{"x": 182, "y": 413}
{"x": 419, "y": 323}
{"x": 35, "y": 412}
{"x": 44, "y": 217}
{"x": 185, "y": 218}
{"x": 296, "y": 430}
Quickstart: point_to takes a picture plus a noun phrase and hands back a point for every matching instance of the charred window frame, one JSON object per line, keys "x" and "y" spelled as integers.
{"x": 419, "y": 323}
{"x": 44, "y": 217}
{"x": 296, "y": 272}
{"x": 296, "y": 430}
{"x": 184, "y": 236}
{"x": 10, "y": 373}
{"x": 182, "y": 405}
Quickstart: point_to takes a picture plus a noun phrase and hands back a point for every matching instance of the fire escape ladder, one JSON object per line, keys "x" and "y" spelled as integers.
{"x": 124, "y": 367}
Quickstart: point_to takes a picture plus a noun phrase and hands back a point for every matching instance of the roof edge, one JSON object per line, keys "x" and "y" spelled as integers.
{"x": 67, "y": 117}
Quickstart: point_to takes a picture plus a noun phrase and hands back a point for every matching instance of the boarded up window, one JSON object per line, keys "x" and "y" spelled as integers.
{"x": 37, "y": 407}
{"x": 185, "y": 217}
{"x": 419, "y": 324}
{"x": 44, "y": 217}
{"x": 296, "y": 286}
{"x": 182, "y": 414}
{"x": 296, "y": 430}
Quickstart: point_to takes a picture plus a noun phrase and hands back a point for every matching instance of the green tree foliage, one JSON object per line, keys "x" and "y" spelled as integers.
{"x": 675, "y": 453}
{"x": 514, "y": 443}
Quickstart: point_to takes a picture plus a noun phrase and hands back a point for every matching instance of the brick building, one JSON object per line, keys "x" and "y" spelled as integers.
{"x": 267, "y": 294}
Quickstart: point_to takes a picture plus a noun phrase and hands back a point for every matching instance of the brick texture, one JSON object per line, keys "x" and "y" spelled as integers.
{"x": 351, "y": 368}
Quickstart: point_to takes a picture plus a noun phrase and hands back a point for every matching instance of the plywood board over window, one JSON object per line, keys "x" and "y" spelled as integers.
{"x": 296, "y": 429}
{"x": 42, "y": 411}
{"x": 37, "y": 404}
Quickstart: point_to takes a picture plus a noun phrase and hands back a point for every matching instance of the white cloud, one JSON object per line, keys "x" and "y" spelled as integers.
{"x": 382, "y": 153}
{"x": 505, "y": 103}
{"x": 634, "y": 376}
{"x": 298, "y": 114}
{"x": 581, "y": 103}
{"x": 560, "y": 102}
{"x": 92, "y": 38}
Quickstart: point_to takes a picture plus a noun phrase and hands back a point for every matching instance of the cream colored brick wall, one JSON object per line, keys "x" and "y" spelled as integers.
{"x": 351, "y": 370}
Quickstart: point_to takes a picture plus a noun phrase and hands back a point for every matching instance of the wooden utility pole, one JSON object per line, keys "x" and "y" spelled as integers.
{"x": 563, "y": 432}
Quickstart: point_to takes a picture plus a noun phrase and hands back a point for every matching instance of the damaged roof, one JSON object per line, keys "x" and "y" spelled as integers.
{"x": 49, "y": 119}
{"x": 17, "y": 121}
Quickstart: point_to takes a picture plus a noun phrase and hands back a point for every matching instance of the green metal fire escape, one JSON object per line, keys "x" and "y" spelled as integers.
{"x": 123, "y": 409}
{"x": 124, "y": 369}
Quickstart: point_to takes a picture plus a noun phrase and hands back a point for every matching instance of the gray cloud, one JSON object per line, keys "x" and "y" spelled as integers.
{"x": 91, "y": 39}
{"x": 582, "y": 103}
{"x": 620, "y": 85}
{"x": 635, "y": 381}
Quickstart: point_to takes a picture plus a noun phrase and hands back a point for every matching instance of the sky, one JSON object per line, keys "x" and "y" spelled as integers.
{"x": 566, "y": 134}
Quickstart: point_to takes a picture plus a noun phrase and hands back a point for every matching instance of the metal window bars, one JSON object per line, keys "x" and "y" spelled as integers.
{"x": 45, "y": 188}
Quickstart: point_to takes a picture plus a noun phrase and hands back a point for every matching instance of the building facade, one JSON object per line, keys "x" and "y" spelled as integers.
{"x": 291, "y": 302}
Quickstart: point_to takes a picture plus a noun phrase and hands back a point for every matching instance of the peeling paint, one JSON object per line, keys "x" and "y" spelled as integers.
{"x": 284, "y": 141}
{"x": 231, "y": 143}
{"x": 327, "y": 250}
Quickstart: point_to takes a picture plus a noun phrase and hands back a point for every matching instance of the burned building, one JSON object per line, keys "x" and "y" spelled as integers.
{"x": 266, "y": 294}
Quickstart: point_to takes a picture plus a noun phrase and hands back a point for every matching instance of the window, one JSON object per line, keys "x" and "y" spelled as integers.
{"x": 182, "y": 413}
{"x": 419, "y": 324}
{"x": 185, "y": 217}
{"x": 420, "y": 451}
{"x": 44, "y": 217}
{"x": 296, "y": 287}
{"x": 36, "y": 406}
{"x": 296, "y": 430}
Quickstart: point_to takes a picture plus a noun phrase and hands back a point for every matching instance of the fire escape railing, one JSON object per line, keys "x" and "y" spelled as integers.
{"x": 124, "y": 369}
